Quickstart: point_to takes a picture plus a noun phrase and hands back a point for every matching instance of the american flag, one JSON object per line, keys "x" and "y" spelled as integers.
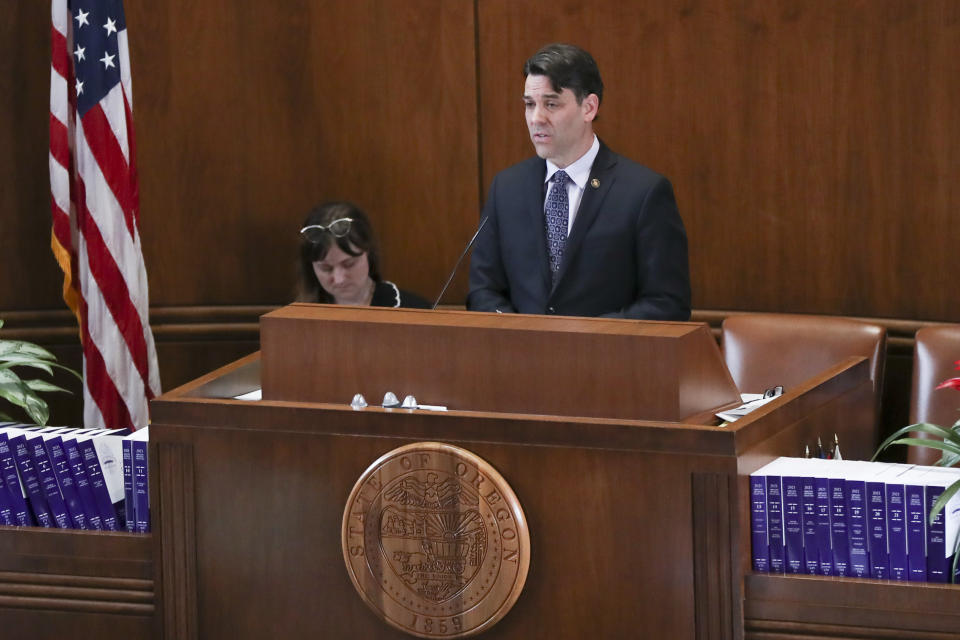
{"x": 95, "y": 202}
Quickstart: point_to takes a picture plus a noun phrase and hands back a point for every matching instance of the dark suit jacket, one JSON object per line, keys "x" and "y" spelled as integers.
{"x": 625, "y": 257}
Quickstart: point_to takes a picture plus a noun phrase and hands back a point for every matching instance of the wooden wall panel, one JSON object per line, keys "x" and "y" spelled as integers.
{"x": 812, "y": 145}
{"x": 818, "y": 135}
{"x": 248, "y": 113}
{"x": 28, "y": 273}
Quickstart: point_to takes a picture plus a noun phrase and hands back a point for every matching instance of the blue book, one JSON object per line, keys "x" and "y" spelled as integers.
{"x": 897, "y": 525}
{"x": 824, "y": 544}
{"x": 6, "y": 511}
{"x": 31, "y": 481}
{"x": 916, "y": 525}
{"x": 109, "y": 447}
{"x": 48, "y": 482}
{"x": 128, "y": 497}
{"x": 877, "y": 524}
{"x": 760, "y": 545}
{"x": 808, "y": 500}
{"x": 22, "y": 516}
{"x": 61, "y": 468}
{"x": 792, "y": 522}
{"x": 857, "y": 524}
{"x": 936, "y": 532}
{"x": 775, "y": 533}
{"x": 101, "y": 494}
{"x": 141, "y": 481}
{"x": 78, "y": 471}
{"x": 942, "y": 530}
{"x": 839, "y": 535}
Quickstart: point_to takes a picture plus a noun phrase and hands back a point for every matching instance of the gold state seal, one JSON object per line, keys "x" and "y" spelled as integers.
{"x": 435, "y": 541}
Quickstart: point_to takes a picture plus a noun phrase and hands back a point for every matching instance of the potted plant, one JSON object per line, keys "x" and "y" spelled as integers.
{"x": 22, "y": 392}
{"x": 947, "y": 440}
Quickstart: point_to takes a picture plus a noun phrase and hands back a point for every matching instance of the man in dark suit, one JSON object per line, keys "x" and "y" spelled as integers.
{"x": 578, "y": 230}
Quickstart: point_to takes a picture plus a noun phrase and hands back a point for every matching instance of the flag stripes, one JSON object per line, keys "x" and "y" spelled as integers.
{"x": 95, "y": 210}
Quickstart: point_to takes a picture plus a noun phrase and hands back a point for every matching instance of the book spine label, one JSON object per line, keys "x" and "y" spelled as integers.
{"x": 811, "y": 545}
{"x": 792, "y": 525}
{"x": 48, "y": 482}
{"x": 936, "y": 542}
{"x": 109, "y": 448}
{"x": 775, "y": 524}
{"x": 879, "y": 551}
{"x": 897, "y": 531}
{"x": 101, "y": 495}
{"x": 79, "y": 473}
{"x": 916, "y": 533}
{"x": 823, "y": 526}
{"x": 6, "y": 511}
{"x": 857, "y": 528}
{"x": 128, "y": 496}
{"x": 11, "y": 481}
{"x": 31, "y": 482}
{"x": 760, "y": 545}
{"x": 58, "y": 460}
{"x": 839, "y": 536}
{"x": 141, "y": 486}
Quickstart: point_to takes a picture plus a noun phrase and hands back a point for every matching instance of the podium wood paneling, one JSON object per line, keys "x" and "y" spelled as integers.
{"x": 75, "y": 584}
{"x": 634, "y": 524}
{"x": 850, "y": 609}
{"x": 600, "y": 368}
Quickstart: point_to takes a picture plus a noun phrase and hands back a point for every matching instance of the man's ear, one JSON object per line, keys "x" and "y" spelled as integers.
{"x": 590, "y": 105}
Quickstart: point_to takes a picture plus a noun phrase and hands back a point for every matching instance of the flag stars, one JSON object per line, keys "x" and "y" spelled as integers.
{"x": 111, "y": 26}
{"x": 107, "y": 61}
{"x": 79, "y": 87}
{"x": 81, "y": 18}
{"x": 80, "y": 53}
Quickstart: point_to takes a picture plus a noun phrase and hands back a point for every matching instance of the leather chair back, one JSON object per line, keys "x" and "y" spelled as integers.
{"x": 764, "y": 350}
{"x": 934, "y": 354}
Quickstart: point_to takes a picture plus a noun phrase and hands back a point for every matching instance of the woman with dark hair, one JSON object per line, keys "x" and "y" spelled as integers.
{"x": 340, "y": 262}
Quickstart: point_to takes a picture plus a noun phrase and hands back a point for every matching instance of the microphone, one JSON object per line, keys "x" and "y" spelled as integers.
{"x": 459, "y": 260}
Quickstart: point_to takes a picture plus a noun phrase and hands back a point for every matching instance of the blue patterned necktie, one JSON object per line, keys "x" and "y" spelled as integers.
{"x": 557, "y": 210}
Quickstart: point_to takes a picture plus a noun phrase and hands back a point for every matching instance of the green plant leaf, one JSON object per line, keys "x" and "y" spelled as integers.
{"x": 6, "y": 417}
{"x": 930, "y": 444}
{"x": 956, "y": 557}
{"x": 38, "y": 410}
{"x": 9, "y": 377}
{"x": 24, "y": 393}
{"x": 943, "y": 500}
{"x": 921, "y": 427}
{"x": 46, "y": 366}
{"x": 948, "y": 460}
{"x": 43, "y": 385}
{"x": 15, "y": 391}
{"x": 25, "y": 348}
{"x": 17, "y": 360}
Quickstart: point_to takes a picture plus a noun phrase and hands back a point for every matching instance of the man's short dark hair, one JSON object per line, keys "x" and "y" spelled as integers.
{"x": 568, "y": 67}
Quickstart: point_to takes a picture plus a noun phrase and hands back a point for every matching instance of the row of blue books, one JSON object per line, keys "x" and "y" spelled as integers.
{"x": 70, "y": 478}
{"x": 849, "y": 518}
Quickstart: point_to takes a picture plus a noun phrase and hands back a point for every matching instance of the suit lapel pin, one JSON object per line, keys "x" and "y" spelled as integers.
{"x": 595, "y": 183}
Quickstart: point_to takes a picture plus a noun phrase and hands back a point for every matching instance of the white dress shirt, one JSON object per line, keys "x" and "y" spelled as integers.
{"x": 579, "y": 173}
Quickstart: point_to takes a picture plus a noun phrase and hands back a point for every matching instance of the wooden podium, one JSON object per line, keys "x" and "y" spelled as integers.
{"x": 638, "y": 526}
{"x": 635, "y": 498}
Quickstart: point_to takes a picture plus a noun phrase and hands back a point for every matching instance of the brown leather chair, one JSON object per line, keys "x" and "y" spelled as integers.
{"x": 934, "y": 354}
{"x": 763, "y": 350}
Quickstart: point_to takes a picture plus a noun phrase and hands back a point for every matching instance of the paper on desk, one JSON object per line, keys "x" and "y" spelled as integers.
{"x": 751, "y": 401}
